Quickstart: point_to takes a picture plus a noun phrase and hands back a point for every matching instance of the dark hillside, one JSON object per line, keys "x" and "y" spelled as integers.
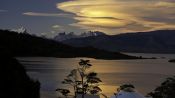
{"x": 23, "y": 44}
{"x": 15, "y": 83}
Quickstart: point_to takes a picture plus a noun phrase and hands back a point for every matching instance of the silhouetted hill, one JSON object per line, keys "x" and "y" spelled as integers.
{"x": 23, "y": 44}
{"x": 14, "y": 81}
{"x": 162, "y": 41}
{"x": 172, "y": 60}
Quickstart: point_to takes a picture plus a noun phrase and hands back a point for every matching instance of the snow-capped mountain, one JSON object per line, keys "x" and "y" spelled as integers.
{"x": 20, "y": 30}
{"x": 160, "y": 41}
{"x": 90, "y": 33}
{"x": 65, "y": 36}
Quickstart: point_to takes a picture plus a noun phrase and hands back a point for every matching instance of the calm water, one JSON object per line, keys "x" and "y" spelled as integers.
{"x": 144, "y": 74}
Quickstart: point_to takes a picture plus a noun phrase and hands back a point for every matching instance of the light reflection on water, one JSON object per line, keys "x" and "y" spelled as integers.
{"x": 144, "y": 74}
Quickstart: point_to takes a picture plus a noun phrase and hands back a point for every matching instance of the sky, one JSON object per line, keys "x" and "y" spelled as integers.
{"x": 49, "y": 17}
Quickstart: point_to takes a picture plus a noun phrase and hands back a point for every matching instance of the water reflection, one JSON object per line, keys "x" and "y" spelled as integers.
{"x": 144, "y": 74}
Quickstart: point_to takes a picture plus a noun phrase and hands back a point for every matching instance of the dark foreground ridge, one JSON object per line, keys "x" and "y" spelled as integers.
{"x": 172, "y": 61}
{"x": 24, "y": 44}
{"x": 14, "y": 81}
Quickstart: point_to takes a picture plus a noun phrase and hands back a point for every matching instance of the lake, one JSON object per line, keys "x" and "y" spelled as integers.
{"x": 145, "y": 74}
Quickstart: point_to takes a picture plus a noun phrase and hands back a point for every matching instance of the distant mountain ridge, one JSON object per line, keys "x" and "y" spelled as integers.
{"x": 24, "y": 44}
{"x": 66, "y": 36}
{"x": 161, "y": 41}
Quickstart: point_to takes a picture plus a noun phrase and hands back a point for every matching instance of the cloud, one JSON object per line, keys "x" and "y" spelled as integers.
{"x": 165, "y": 4}
{"x": 58, "y": 28}
{"x": 3, "y": 11}
{"x": 103, "y": 22}
{"x": 121, "y": 15}
{"x": 47, "y": 14}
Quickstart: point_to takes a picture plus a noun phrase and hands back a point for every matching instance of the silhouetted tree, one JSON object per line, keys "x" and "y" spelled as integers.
{"x": 92, "y": 83}
{"x": 71, "y": 80}
{"x": 64, "y": 92}
{"x": 166, "y": 90}
{"x": 122, "y": 87}
{"x": 126, "y": 87}
{"x": 88, "y": 82}
{"x": 83, "y": 66}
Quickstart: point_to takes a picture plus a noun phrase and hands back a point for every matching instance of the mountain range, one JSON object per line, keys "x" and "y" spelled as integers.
{"x": 24, "y": 44}
{"x": 161, "y": 41}
{"x": 66, "y": 36}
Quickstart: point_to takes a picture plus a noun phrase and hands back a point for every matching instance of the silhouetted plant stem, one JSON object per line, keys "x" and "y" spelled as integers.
{"x": 87, "y": 82}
